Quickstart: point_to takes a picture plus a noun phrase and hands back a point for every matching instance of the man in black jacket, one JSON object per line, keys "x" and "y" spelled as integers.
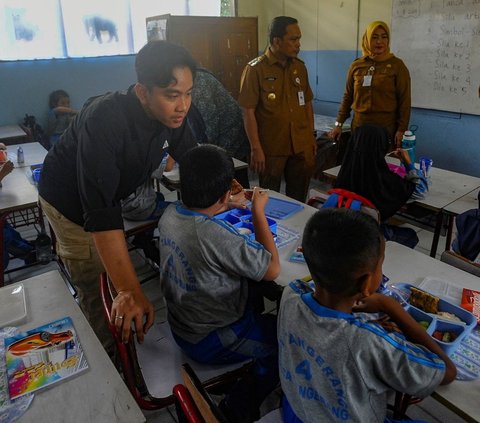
{"x": 111, "y": 148}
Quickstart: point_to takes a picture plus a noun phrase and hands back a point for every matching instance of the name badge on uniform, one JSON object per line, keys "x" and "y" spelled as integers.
{"x": 367, "y": 81}
{"x": 301, "y": 98}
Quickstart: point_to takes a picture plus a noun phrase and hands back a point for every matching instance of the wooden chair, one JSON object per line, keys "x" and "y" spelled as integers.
{"x": 194, "y": 405}
{"x": 152, "y": 368}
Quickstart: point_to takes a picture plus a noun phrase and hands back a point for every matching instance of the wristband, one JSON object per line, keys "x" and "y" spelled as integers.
{"x": 338, "y": 124}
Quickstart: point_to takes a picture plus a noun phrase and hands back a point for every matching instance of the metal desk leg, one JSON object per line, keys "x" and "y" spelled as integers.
{"x": 3, "y": 218}
{"x": 436, "y": 235}
{"x": 450, "y": 222}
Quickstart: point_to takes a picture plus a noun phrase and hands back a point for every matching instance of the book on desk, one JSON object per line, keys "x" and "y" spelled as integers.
{"x": 42, "y": 356}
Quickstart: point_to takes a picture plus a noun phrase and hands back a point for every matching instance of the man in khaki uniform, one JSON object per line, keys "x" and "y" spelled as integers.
{"x": 276, "y": 100}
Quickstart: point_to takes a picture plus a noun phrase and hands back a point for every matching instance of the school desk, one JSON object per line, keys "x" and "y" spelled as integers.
{"x": 403, "y": 264}
{"x": 446, "y": 187}
{"x": 98, "y": 394}
{"x": 33, "y": 152}
{"x": 12, "y": 133}
{"x": 467, "y": 202}
{"x": 18, "y": 194}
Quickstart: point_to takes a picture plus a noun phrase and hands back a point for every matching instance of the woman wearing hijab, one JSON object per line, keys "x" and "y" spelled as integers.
{"x": 364, "y": 171}
{"x": 377, "y": 88}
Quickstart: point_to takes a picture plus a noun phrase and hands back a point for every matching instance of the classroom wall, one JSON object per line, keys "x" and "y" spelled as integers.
{"x": 26, "y": 85}
{"x": 332, "y": 31}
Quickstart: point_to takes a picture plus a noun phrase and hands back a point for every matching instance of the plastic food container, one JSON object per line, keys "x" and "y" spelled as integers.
{"x": 242, "y": 219}
{"x": 13, "y": 307}
{"x": 438, "y": 323}
{"x": 281, "y": 209}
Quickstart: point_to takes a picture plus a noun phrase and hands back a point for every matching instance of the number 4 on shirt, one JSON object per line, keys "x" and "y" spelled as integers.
{"x": 303, "y": 368}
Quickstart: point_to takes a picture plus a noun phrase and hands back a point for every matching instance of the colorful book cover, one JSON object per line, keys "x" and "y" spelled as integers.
{"x": 42, "y": 356}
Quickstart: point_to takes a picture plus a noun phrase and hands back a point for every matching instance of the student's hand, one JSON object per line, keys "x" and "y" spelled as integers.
{"x": 257, "y": 160}
{"x": 259, "y": 199}
{"x": 238, "y": 201}
{"x": 375, "y": 303}
{"x": 401, "y": 155}
{"x": 335, "y": 133}
{"x": 5, "y": 169}
{"x": 131, "y": 306}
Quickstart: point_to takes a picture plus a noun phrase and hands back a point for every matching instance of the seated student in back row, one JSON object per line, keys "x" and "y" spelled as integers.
{"x": 338, "y": 366}
{"x": 365, "y": 172}
{"x": 208, "y": 274}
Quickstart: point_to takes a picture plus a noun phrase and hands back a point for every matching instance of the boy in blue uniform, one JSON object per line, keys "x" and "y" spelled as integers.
{"x": 206, "y": 267}
{"x": 338, "y": 366}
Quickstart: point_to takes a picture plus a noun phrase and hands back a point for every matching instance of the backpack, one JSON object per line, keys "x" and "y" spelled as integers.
{"x": 342, "y": 198}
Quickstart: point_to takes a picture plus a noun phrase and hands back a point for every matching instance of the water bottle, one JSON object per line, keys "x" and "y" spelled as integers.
{"x": 409, "y": 142}
{"x": 43, "y": 248}
{"x": 20, "y": 156}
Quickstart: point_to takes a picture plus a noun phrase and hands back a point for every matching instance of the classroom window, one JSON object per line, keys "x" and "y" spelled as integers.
{"x": 33, "y": 29}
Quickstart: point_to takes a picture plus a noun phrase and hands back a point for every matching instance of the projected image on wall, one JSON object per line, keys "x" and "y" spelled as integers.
{"x": 29, "y": 30}
{"x": 94, "y": 28}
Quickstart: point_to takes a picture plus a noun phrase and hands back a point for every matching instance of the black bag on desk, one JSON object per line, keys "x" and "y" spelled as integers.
{"x": 36, "y": 131}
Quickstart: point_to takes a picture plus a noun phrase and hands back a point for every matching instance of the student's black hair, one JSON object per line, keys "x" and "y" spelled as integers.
{"x": 278, "y": 27}
{"x": 206, "y": 173}
{"x": 156, "y": 61}
{"x": 55, "y": 96}
{"x": 337, "y": 245}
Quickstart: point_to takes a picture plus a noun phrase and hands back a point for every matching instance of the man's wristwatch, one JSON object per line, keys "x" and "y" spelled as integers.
{"x": 338, "y": 124}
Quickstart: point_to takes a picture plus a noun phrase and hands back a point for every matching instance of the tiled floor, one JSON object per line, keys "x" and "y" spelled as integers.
{"x": 428, "y": 410}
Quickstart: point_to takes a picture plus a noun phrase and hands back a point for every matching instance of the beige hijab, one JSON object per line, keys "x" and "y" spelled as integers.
{"x": 367, "y": 41}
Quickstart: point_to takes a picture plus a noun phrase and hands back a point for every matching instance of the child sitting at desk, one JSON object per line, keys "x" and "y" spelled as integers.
{"x": 365, "y": 172}
{"x": 13, "y": 244}
{"x": 60, "y": 115}
{"x": 335, "y": 365}
{"x": 207, "y": 270}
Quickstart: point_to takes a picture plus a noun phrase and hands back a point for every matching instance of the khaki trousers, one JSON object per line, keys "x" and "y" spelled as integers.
{"x": 297, "y": 170}
{"x": 76, "y": 249}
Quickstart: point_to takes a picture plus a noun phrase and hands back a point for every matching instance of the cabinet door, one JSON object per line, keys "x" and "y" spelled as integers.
{"x": 235, "y": 50}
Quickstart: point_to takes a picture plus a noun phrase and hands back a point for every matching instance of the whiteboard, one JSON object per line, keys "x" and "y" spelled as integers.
{"x": 439, "y": 41}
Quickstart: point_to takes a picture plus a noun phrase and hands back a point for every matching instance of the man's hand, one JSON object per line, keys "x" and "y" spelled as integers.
{"x": 257, "y": 160}
{"x": 131, "y": 306}
{"x": 398, "y": 139}
{"x": 335, "y": 133}
{"x": 130, "y": 303}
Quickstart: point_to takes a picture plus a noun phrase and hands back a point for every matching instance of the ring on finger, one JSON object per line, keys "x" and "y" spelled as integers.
{"x": 119, "y": 317}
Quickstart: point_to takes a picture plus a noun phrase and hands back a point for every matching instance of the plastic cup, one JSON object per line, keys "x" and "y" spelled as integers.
{"x": 425, "y": 165}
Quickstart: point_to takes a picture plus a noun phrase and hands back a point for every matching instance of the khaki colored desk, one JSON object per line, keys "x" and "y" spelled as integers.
{"x": 96, "y": 395}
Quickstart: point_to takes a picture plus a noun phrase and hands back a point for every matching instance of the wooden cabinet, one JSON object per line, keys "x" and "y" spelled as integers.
{"x": 223, "y": 45}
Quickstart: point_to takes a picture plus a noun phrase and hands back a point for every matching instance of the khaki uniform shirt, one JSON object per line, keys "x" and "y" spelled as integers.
{"x": 280, "y": 96}
{"x": 386, "y": 102}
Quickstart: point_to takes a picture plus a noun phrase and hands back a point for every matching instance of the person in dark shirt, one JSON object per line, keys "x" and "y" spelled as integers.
{"x": 111, "y": 148}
